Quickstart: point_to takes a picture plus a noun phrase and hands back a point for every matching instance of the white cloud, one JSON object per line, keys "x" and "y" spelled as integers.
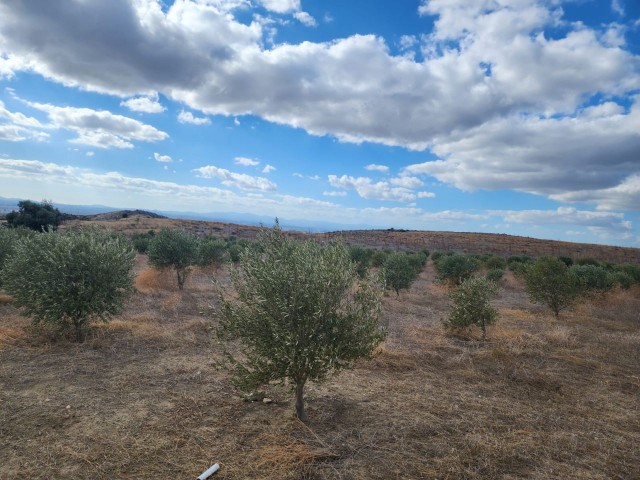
{"x": 335, "y": 193}
{"x": 492, "y": 71}
{"x": 246, "y": 162}
{"x": 99, "y": 128}
{"x": 597, "y": 221}
{"x": 238, "y": 180}
{"x": 18, "y": 118}
{"x": 281, "y": 6}
{"x": 268, "y": 169}
{"x": 407, "y": 181}
{"x": 187, "y": 117}
{"x": 150, "y": 104}
{"x": 162, "y": 158}
{"x": 305, "y": 19}
{"x": 90, "y": 153}
{"x": 377, "y": 168}
{"x": 426, "y": 195}
{"x": 616, "y": 6}
{"x": 366, "y": 188}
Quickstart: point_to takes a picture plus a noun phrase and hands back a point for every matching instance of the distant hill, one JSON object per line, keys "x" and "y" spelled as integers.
{"x": 497, "y": 244}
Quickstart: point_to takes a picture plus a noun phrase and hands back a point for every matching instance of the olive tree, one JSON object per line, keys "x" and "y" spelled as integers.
{"x": 174, "y": 248}
{"x": 399, "y": 272}
{"x": 549, "y": 281}
{"x": 471, "y": 305}
{"x": 36, "y": 216}
{"x": 69, "y": 279}
{"x": 300, "y": 311}
{"x": 456, "y": 268}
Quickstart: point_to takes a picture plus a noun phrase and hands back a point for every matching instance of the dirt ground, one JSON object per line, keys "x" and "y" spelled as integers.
{"x": 143, "y": 397}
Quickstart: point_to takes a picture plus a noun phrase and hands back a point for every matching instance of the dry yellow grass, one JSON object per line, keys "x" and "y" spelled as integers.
{"x": 540, "y": 399}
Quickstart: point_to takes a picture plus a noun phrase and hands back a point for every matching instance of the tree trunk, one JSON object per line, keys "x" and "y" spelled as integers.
{"x": 300, "y": 413}
{"x": 180, "y": 279}
{"x": 484, "y": 330}
{"x": 78, "y": 325}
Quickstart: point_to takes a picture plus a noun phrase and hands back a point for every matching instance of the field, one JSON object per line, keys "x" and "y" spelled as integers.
{"x": 144, "y": 397}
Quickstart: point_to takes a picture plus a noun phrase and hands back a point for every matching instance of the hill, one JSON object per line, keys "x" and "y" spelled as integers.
{"x": 139, "y": 221}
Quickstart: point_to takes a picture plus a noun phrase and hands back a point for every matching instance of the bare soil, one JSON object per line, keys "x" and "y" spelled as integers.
{"x": 143, "y": 397}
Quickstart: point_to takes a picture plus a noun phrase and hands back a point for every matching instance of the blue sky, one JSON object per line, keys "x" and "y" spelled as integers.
{"x": 507, "y": 116}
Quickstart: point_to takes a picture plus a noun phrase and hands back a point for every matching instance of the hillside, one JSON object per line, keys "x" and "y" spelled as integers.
{"x": 497, "y": 244}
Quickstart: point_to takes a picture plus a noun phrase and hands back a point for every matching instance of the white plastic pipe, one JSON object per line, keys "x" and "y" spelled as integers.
{"x": 207, "y": 473}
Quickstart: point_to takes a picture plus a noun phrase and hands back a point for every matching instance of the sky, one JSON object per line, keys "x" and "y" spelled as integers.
{"x": 504, "y": 116}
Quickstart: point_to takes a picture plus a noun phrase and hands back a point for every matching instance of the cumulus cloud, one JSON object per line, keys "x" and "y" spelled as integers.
{"x": 99, "y": 128}
{"x": 305, "y": 19}
{"x": 366, "y": 188}
{"x": 162, "y": 158}
{"x": 150, "y": 104}
{"x": 377, "y": 168}
{"x": 335, "y": 193}
{"x": 605, "y": 225}
{"x": 268, "y": 169}
{"x": 188, "y": 117}
{"x": 489, "y": 69}
{"x": 238, "y": 180}
{"x": 246, "y": 162}
{"x": 406, "y": 181}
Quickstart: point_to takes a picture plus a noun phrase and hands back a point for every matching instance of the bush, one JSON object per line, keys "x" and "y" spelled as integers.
{"x": 8, "y": 240}
{"x": 471, "y": 305}
{"x": 587, "y": 261}
{"x": 456, "y": 268}
{"x": 300, "y": 311}
{"x": 236, "y": 247}
{"x": 632, "y": 270}
{"x": 549, "y": 282}
{"x": 518, "y": 264}
{"x": 591, "y": 277}
{"x": 495, "y": 274}
{"x": 174, "y": 248}
{"x": 70, "y": 279}
{"x": 35, "y": 216}
{"x": 568, "y": 261}
{"x": 399, "y": 273}
{"x": 417, "y": 260}
{"x": 494, "y": 262}
{"x": 361, "y": 257}
{"x": 378, "y": 258}
{"x": 141, "y": 241}
{"x": 623, "y": 279}
{"x": 212, "y": 251}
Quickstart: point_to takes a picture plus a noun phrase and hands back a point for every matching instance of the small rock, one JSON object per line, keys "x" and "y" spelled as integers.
{"x": 267, "y": 400}
{"x": 68, "y": 407}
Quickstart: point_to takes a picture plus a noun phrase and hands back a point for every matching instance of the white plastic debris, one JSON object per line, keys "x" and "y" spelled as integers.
{"x": 207, "y": 473}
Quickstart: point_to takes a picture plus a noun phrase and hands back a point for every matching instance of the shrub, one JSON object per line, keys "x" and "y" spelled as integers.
{"x": 141, "y": 241}
{"x": 495, "y": 274}
{"x": 417, "y": 260}
{"x": 549, "y": 282}
{"x": 456, "y": 268}
{"x": 568, "y": 261}
{"x": 300, "y": 312}
{"x": 623, "y": 279}
{"x": 70, "y": 279}
{"x": 471, "y": 305}
{"x": 587, "y": 261}
{"x": 361, "y": 257}
{"x": 518, "y": 264}
{"x": 8, "y": 239}
{"x": 212, "y": 251}
{"x": 632, "y": 270}
{"x": 494, "y": 262}
{"x": 174, "y": 248}
{"x": 378, "y": 257}
{"x": 399, "y": 273}
{"x": 236, "y": 247}
{"x": 35, "y": 216}
{"x": 592, "y": 277}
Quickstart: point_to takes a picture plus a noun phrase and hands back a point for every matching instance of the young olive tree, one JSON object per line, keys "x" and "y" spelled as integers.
{"x": 69, "y": 279}
{"x": 399, "y": 273}
{"x": 300, "y": 311}
{"x": 471, "y": 305}
{"x": 549, "y": 281}
{"x": 175, "y": 248}
{"x": 456, "y": 268}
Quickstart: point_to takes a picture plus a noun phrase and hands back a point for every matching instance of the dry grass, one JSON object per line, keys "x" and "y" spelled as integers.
{"x": 143, "y": 396}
